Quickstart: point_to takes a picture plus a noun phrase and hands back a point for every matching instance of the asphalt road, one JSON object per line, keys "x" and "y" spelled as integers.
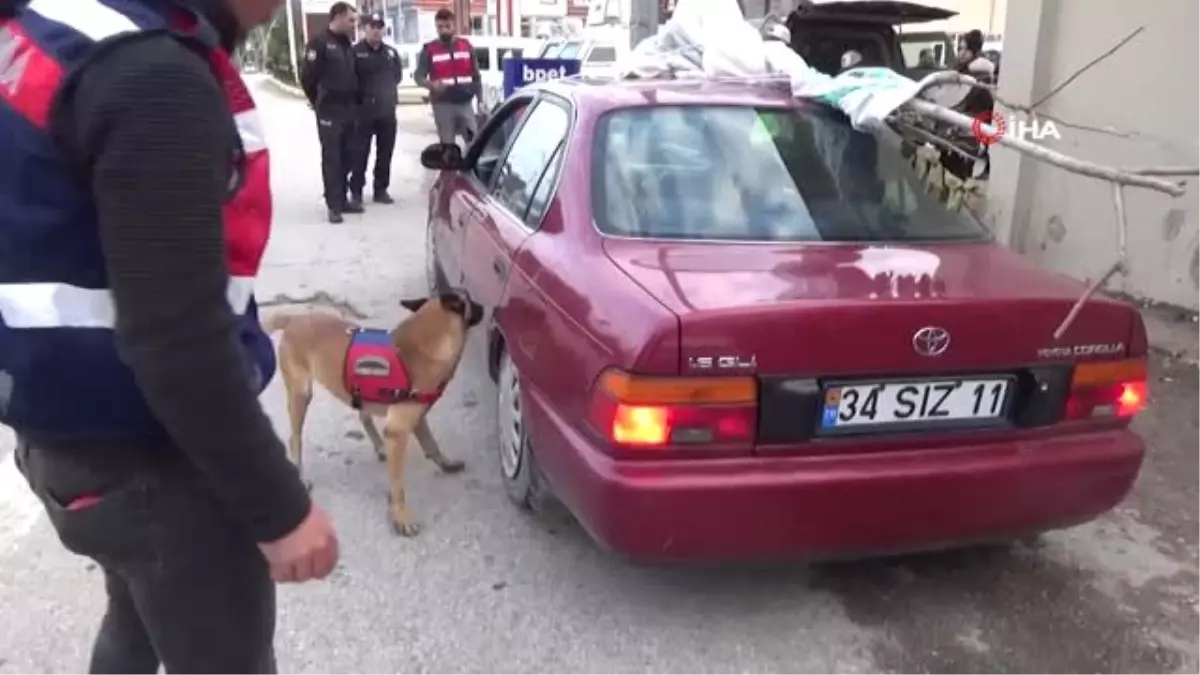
{"x": 484, "y": 588}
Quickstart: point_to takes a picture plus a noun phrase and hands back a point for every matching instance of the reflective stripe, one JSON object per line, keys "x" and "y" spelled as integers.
{"x": 438, "y": 58}
{"x": 249, "y": 127}
{"x": 455, "y": 80}
{"x": 90, "y": 17}
{"x": 53, "y": 305}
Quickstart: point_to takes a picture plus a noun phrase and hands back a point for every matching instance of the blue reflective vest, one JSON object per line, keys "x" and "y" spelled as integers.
{"x": 60, "y": 372}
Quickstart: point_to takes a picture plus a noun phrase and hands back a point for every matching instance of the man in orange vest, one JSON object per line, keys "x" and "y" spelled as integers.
{"x": 447, "y": 68}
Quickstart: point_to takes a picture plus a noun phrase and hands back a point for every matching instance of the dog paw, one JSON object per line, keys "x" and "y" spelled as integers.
{"x": 405, "y": 528}
{"x": 452, "y": 465}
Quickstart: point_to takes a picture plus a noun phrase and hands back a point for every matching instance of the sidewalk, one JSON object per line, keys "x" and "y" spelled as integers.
{"x": 1173, "y": 332}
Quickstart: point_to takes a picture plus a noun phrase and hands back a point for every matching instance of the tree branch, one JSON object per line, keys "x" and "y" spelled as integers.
{"x": 1088, "y": 66}
{"x": 961, "y": 121}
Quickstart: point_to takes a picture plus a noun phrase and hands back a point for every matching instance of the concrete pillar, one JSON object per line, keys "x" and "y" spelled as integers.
{"x": 1027, "y": 25}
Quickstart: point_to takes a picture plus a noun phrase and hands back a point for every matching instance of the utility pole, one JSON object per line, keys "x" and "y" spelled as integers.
{"x": 643, "y": 20}
{"x": 291, "y": 33}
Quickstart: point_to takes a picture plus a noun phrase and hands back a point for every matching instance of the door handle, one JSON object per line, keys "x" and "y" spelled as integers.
{"x": 499, "y": 267}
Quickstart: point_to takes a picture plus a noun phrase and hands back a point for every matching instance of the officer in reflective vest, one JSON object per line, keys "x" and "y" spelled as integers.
{"x": 447, "y": 68}
{"x": 135, "y": 207}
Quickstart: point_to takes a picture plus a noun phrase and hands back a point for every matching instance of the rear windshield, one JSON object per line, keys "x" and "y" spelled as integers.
{"x": 747, "y": 174}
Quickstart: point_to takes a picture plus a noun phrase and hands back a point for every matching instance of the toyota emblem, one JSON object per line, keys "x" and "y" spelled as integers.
{"x": 931, "y": 341}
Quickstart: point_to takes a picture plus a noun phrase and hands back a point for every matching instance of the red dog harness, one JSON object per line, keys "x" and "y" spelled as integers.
{"x": 373, "y": 372}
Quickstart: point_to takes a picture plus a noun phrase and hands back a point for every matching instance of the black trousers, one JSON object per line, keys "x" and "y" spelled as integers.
{"x": 339, "y": 149}
{"x": 383, "y": 130}
{"x": 186, "y": 588}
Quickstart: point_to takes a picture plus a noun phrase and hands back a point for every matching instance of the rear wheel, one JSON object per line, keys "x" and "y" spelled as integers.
{"x": 523, "y": 480}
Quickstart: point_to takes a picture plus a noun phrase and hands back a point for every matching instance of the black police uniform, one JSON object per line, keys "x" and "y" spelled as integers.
{"x": 331, "y": 85}
{"x": 379, "y": 73}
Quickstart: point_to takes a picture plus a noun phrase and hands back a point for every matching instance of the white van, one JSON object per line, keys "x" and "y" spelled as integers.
{"x": 599, "y": 56}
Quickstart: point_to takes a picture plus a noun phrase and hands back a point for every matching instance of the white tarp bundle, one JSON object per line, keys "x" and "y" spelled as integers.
{"x": 711, "y": 39}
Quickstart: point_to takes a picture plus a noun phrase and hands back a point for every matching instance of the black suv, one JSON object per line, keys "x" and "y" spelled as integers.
{"x": 823, "y": 32}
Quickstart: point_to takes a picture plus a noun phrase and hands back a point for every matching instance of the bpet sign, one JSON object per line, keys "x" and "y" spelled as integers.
{"x": 521, "y": 72}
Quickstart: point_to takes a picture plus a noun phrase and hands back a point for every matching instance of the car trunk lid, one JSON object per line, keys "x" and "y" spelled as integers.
{"x": 848, "y": 310}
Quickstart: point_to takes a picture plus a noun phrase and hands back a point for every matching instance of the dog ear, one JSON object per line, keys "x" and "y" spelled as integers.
{"x": 453, "y": 303}
{"x": 413, "y": 304}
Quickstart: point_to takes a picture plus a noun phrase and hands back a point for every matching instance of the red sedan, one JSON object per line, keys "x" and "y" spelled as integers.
{"x": 725, "y": 325}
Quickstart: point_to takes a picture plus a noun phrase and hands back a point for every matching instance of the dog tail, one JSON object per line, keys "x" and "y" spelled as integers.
{"x": 277, "y": 322}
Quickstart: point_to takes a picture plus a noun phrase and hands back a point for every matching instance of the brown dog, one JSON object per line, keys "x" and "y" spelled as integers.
{"x": 360, "y": 368}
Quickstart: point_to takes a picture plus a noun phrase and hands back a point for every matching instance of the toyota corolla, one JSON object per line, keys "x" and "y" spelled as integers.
{"x": 726, "y": 325}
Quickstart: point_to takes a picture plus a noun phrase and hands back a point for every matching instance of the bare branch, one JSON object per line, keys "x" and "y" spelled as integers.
{"x": 1087, "y": 295}
{"x": 1121, "y": 264}
{"x": 961, "y": 121}
{"x": 1166, "y": 171}
{"x": 1088, "y": 66}
{"x": 934, "y": 139}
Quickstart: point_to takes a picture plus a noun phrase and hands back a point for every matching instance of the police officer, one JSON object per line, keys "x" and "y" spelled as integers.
{"x": 331, "y": 85}
{"x": 135, "y": 214}
{"x": 379, "y": 73}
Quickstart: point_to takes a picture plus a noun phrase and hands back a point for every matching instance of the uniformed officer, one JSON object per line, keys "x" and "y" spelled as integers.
{"x": 379, "y": 73}
{"x": 330, "y": 83}
{"x": 135, "y": 215}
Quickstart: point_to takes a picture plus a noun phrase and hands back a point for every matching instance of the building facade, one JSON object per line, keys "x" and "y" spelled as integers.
{"x": 1147, "y": 93}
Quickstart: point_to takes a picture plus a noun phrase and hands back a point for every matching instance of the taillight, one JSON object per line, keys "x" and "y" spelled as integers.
{"x": 1108, "y": 390}
{"x": 654, "y": 412}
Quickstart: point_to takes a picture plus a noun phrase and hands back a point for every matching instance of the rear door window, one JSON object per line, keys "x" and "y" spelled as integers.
{"x": 740, "y": 173}
{"x": 530, "y": 169}
{"x": 483, "y": 57}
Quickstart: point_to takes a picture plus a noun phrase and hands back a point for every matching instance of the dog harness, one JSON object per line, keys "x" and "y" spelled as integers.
{"x": 373, "y": 372}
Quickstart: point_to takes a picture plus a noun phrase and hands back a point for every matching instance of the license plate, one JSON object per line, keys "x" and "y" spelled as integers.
{"x": 863, "y": 405}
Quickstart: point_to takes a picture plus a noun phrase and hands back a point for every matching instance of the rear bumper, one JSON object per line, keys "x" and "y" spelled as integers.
{"x": 834, "y": 506}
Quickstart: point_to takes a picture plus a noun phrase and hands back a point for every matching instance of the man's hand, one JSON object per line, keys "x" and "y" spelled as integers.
{"x": 308, "y": 552}
{"x": 438, "y": 85}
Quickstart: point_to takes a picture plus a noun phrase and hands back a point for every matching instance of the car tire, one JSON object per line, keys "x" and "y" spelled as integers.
{"x": 523, "y": 479}
{"x": 435, "y": 278}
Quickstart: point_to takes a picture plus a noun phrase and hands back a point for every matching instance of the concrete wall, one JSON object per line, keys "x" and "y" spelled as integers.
{"x": 1150, "y": 87}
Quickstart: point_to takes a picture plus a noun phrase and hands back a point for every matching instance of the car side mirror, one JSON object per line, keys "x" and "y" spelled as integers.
{"x": 443, "y": 157}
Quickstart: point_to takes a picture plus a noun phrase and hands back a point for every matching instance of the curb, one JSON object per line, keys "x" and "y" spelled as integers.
{"x": 285, "y": 87}
{"x": 407, "y": 95}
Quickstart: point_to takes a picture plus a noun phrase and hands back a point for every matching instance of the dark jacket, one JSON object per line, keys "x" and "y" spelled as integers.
{"x": 461, "y": 93}
{"x": 328, "y": 76}
{"x": 379, "y": 73}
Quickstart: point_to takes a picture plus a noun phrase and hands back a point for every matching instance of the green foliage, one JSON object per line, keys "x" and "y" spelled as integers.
{"x": 278, "y": 62}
